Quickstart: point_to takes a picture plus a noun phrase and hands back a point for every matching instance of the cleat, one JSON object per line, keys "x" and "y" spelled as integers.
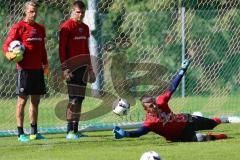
{"x": 23, "y": 138}
{"x": 72, "y": 135}
{"x": 37, "y": 136}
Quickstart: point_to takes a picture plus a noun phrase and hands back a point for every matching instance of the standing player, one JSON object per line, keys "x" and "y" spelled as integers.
{"x": 76, "y": 64}
{"x": 174, "y": 127}
{"x": 30, "y": 71}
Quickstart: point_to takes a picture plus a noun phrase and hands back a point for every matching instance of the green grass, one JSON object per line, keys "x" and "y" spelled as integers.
{"x": 102, "y": 146}
{"x": 209, "y": 106}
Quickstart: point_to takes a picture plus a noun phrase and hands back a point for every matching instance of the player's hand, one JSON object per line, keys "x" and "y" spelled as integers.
{"x": 119, "y": 133}
{"x": 185, "y": 64}
{"x": 67, "y": 74}
{"x": 91, "y": 77}
{"x": 46, "y": 71}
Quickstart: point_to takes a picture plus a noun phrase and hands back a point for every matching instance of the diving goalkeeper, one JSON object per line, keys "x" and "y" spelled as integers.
{"x": 174, "y": 127}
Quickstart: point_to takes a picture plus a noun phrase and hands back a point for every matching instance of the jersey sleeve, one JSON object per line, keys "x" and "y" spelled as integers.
{"x": 63, "y": 38}
{"x": 137, "y": 133}
{"x": 44, "y": 60}
{"x": 175, "y": 82}
{"x": 12, "y": 35}
{"x": 164, "y": 98}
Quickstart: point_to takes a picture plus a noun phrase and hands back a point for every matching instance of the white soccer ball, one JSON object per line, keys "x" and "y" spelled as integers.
{"x": 16, "y": 46}
{"x": 121, "y": 107}
{"x": 150, "y": 155}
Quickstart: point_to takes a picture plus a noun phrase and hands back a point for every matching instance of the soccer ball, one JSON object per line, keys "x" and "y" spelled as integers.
{"x": 121, "y": 107}
{"x": 150, "y": 155}
{"x": 18, "y": 48}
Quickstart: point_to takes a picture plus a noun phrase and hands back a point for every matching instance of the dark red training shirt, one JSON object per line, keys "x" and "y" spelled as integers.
{"x": 32, "y": 37}
{"x": 73, "y": 45}
{"x": 165, "y": 123}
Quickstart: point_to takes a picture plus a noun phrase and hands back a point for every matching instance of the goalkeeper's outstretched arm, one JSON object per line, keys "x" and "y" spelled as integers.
{"x": 120, "y": 133}
{"x": 178, "y": 78}
{"x": 137, "y": 133}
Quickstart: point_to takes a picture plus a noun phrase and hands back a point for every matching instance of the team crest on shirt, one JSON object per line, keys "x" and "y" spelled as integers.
{"x": 80, "y": 30}
{"x": 33, "y": 31}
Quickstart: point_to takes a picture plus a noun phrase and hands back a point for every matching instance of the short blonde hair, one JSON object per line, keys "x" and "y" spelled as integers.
{"x": 30, "y": 3}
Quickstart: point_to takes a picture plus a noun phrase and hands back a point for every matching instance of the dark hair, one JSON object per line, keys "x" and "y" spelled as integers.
{"x": 147, "y": 98}
{"x": 79, "y": 4}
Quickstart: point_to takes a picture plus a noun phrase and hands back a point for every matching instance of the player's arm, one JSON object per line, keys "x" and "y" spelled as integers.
{"x": 90, "y": 67}
{"x": 92, "y": 76}
{"x": 165, "y": 97}
{"x": 178, "y": 78}
{"x": 44, "y": 58}
{"x": 63, "y": 38}
{"x": 120, "y": 133}
{"x": 12, "y": 35}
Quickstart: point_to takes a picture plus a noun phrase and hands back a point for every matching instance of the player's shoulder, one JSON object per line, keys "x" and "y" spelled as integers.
{"x": 19, "y": 24}
{"x": 84, "y": 25}
{"x": 40, "y": 25}
{"x": 66, "y": 23}
{"x": 149, "y": 121}
{"x": 161, "y": 99}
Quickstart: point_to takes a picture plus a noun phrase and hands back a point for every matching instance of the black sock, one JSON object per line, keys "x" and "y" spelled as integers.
{"x": 75, "y": 126}
{"x": 33, "y": 128}
{"x": 69, "y": 127}
{"x": 210, "y": 138}
{"x": 20, "y": 131}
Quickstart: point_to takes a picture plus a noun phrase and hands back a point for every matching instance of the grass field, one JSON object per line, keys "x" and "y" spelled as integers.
{"x": 209, "y": 106}
{"x": 102, "y": 146}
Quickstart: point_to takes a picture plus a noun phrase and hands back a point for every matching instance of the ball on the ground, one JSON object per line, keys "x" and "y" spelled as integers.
{"x": 150, "y": 155}
{"x": 121, "y": 107}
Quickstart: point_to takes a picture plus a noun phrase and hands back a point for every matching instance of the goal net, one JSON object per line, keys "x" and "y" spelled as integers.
{"x": 137, "y": 47}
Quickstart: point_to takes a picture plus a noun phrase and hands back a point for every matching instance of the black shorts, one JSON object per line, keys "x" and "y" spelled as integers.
{"x": 77, "y": 85}
{"x": 30, "y": 82}
{"x": 196, "y": 123}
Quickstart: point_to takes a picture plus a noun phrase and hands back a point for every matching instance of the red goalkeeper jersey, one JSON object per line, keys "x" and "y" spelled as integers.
{"x": 32, "y": 37}
{"x": 165, "y": 122}
{"x": 73, "y": 45}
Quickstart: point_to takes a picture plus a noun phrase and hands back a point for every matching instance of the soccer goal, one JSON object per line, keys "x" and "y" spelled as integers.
{"x": 137, "y": 47}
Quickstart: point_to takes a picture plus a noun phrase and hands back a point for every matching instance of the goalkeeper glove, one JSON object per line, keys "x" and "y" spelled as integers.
{"x": 46, "y": 71}
{"x": 15, "y": 56}
{"x": 185, "y": 64}
{"x": 119, "y": 133}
